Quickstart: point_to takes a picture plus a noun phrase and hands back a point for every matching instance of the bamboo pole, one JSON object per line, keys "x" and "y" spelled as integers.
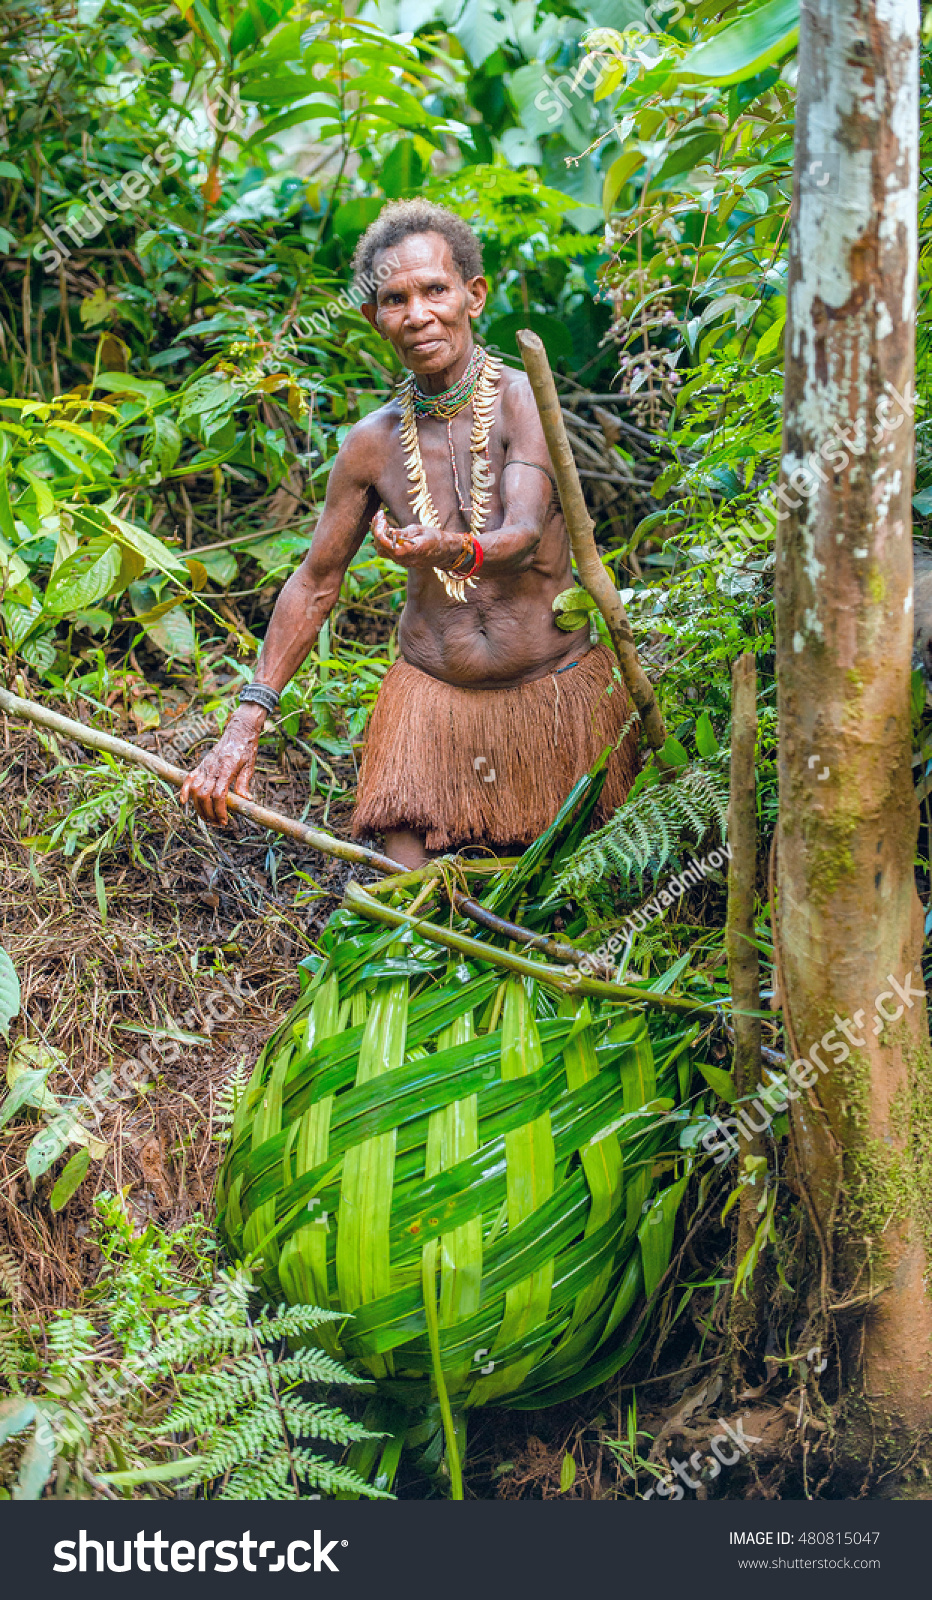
{"x": 580, "y": 527}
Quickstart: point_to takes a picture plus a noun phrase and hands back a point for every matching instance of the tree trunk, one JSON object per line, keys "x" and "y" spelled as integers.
{"x": 850, "y": 928}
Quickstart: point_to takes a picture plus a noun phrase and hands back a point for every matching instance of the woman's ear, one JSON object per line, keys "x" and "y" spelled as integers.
{"x": 477, "y": 292}
{"x": 370, "y": 311}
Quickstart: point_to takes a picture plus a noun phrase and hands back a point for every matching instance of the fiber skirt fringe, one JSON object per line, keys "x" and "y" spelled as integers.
{"x": 492, "y": 766}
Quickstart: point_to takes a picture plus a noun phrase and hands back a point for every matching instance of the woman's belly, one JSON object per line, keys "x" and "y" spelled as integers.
{"x": 490, "y": 642}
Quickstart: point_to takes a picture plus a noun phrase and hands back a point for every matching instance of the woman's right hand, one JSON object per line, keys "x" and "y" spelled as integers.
{"x": 229, "y": 765}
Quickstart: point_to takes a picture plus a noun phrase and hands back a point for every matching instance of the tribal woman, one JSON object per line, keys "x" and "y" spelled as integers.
{"x": 491, "y": 713}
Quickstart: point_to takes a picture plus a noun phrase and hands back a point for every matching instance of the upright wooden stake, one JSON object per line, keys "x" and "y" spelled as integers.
{"x": 579, "y": 526}
{"x": 744, "y": 976}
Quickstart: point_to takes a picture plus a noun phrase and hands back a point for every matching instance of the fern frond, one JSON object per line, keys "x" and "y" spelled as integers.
{"x": 646, "y": 832}
{"x": 228, "y": 1098}
{"x": 317, "y": 1421}
{"x": 331, "y": 1477}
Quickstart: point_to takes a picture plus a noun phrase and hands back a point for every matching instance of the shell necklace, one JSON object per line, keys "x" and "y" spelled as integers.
{"x": 478, "y": 384}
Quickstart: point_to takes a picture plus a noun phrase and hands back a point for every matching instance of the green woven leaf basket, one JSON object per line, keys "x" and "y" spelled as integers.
{"x": 484, "y": 1175}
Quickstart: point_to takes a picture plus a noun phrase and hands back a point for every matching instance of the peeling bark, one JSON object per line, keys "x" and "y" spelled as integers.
{"x": 849, "y": 917}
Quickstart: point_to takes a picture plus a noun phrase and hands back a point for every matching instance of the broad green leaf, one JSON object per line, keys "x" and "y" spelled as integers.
{"x": 49, "y": 1143}
{"x": 721, "y": 1081}
{"x": 9, "y": 993}
{"x": 45, "y": 500}
{"x": 166, "y": 442}
{"x": 69, "y": 1180}
{"x": 27, "y": 1089}
{"x": 567, "y": 1473}
{"x": 617, "y": 176}
{"x": 655, "y": 1234}
{"x": 706, "y": 742}
{"x": 220, "y": 565}
{"x": 149, "y": 389}
{"x": 33, "y": 1056}
{"x": 673, "y": 753}
{"x": 173, "y": 632}
{"x": 37, "y": 1462}
{"x": 7, "y": 524}
{"x": 746, "y": 47}
{"x": 15, "y": 1415}
{"x": 156, "y": 554}
{"x": 769, "y": 341}
{"x": 84, "y": 578}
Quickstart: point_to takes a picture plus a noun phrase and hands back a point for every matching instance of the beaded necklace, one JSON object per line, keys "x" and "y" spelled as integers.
{"x": 478, "y": 384}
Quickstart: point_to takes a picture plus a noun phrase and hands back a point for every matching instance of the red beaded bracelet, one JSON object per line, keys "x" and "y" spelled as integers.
{"x": 478, "y": 558}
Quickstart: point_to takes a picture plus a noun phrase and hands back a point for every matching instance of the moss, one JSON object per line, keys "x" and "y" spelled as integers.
{"x": 830, "y": 863}
{"x": 887, "y": 1183}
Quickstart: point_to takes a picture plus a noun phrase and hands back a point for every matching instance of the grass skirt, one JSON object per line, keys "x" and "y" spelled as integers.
{"x": 491, "y": 766}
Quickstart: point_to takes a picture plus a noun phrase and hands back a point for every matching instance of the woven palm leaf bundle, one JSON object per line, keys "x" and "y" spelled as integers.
{"x": 482, "y": 1172}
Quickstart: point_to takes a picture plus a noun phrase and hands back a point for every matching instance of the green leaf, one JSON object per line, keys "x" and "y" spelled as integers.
{"x": 221, "y": 566}
{"x": 690, "y": 153}
{"x": 73, "y": 1175}
{"x": 37, "y": 1462}
{"x": 155, "y": 554}
{"x": 655, "y": 1234}
{"x": 706, "y": 742}
{"x": 15, "y": 1415}
{"x": 567, "y": 1473}
{"x": 617, "y": 176}
{"x": 173, "y": 633}
{"x": 558, "y": 341}
{"x": 86, "y": 577}
{"x": 166, "y": 442}
{"x": 149, "y": 389}
{"x": 673, "y": 753}
{"x": 9, "y": 993}
{"x": 746, "y": 48}
{"x": 49, "y": 1143}
{"x": 572, "y": 607}
{"x": 24, "y": 1093}
{"x": 480, "y": 29}
{"x": 769, "y": 342}
{"x": 164, "y": 1472}
{"x": 922, "y": 502}
{"x": 721, "y": 1081}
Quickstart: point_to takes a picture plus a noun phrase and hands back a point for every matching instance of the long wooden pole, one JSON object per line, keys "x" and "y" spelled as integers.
{"x": 356, "y": 898}
{"x": 580, "y": 527}
{"x": 327, "y": 843}
{"x": 745, "y": 1317}
{"x": 31, "y": 711}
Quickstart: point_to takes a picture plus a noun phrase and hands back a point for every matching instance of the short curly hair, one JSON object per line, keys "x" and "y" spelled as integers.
{"x": 397, "y": 220}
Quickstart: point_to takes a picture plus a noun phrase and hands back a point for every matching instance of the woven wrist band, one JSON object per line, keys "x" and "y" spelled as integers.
{"x": 261, "y": 694}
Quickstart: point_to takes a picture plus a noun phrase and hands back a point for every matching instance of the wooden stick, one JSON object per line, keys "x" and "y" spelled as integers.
{"x": 356, "y": 898}
{"x": 314, "y": 838}
{"x": 327, "y": 843}
{"x": 746, "y": 1311}
{"x": 580, "y": 527}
